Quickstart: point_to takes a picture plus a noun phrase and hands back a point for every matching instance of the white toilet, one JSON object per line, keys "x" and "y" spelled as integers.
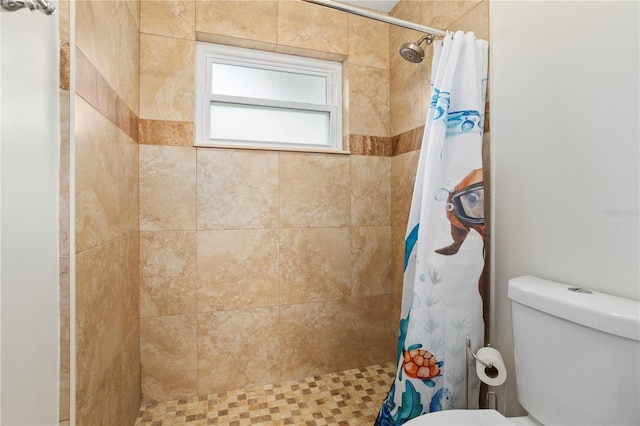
{"x": 577, "y": 356}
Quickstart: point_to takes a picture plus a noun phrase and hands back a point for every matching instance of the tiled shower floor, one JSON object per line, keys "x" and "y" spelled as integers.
{"x": 351, "y": 397}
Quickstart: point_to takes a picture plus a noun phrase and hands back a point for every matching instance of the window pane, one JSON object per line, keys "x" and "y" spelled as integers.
{"x": 255, "y": 123}
{"x": 236, "y": 80}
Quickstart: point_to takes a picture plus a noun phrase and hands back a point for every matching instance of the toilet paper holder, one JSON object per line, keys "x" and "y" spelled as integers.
{"x": 490, "y": 370}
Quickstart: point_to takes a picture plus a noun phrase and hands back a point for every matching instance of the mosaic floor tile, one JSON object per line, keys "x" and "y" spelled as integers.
{"x": 351, "y": 397}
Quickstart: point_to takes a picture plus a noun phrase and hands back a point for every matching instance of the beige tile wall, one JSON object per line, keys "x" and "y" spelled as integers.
{"x": 107, "y": 385}
{"x": 271, "y": 279}
{"x": 237, "y": 190}
{"x": 262, "y": 266}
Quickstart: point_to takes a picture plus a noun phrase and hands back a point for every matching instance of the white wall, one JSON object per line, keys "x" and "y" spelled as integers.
{"x": 565, "y": 151}
{"x": 29, "y": 231}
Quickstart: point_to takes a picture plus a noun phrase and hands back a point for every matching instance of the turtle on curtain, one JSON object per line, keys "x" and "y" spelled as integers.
{"x": 444, "y": 245}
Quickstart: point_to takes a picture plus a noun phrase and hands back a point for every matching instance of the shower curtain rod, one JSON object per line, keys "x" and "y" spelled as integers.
{"x": 377, "y": 16}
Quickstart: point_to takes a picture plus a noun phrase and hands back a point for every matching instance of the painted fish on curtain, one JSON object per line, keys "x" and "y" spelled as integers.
{"x": 444, "y": 244}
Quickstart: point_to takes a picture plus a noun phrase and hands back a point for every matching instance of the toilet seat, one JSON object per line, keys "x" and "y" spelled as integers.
{"x": 461, "y": 417}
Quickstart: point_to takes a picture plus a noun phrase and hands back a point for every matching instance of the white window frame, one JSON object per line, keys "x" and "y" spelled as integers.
{"x": 208, "y": 53}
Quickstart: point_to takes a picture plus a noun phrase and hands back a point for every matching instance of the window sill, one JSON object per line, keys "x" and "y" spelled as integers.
{"x": 267, "y": 148}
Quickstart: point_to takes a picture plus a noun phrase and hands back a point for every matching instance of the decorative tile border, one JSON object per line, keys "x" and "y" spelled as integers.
{"x": 371, "y": 145}
{"x": 159, "y": 132}
{"x": 64, "y": 65}
{"x": 180, "y": 133}
{"x": 386, "y": 146}
{"x": 408, "y": 141}
{"x": 93, "y": 87}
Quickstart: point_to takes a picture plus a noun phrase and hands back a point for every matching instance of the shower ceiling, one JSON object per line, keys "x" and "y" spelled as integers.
{"x": 381, "y": 5}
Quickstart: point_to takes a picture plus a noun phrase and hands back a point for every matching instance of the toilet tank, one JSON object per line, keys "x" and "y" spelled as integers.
{"x": 577, "y": 354}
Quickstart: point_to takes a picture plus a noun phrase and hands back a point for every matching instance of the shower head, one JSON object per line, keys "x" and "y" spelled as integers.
{"x": 412, "y": 52}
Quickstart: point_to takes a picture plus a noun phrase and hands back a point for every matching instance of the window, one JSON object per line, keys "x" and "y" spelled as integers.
{"x": 255, "y": 99}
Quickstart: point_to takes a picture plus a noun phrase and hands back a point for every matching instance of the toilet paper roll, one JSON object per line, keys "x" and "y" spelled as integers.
{"x": 496, "y": 375}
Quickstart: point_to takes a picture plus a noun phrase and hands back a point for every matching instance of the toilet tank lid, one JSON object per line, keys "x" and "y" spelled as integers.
{"x": 600, "y": 311}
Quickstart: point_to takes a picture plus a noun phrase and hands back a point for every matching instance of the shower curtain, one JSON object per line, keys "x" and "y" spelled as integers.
{"x": 444, "y": 245}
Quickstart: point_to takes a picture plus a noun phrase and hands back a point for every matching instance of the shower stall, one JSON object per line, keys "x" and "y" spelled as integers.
{"x": 148, "y": 318}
